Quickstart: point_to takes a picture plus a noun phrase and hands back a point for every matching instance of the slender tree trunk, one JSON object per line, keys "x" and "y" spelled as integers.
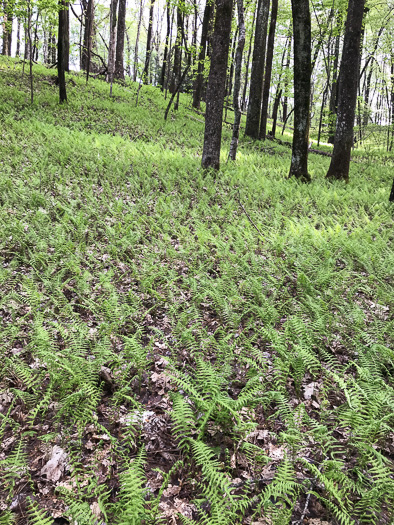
{"x": 285, "y": 88}
{"x": 62, "y": 50}
{"x": 135, "y": 65}
{"x": 7, "y": 28}
{"x": 176, "y": 71}
{"x": 35, "y": 40}
{"x": 148, "y": 44}
{"x": 198, "y": 84}
{"x": 302, "y": 88}
{"x": 119, "y": 58}
{"x": 347, "y": 97}
{"x": 243, "y": 103}
{"x": 237, "y": 80}
{"x": 323, "y": 105}
{"x": 229, "y": 81}
{"x": 18, "y": 38}
{"x": 54, "y": 49}
{"x": 257, "y": 76}
{"x": 279, "y": 89}
{"x": 112, "y": 43}
{"x": 4, "y": 49}
{"x": 167, "y": 41}
{"x": 217, "y": 85}
{"x": 11, "y": 19}
{"x": 194, "y": 35}
{"x": 275, "y": 111}
{"x": 87, "y": 35}
{"x": 29, "y": 17}
{"x": 268, "y": 70}
{"x": 332, "y": 115}
{"x": 67, "y": 38}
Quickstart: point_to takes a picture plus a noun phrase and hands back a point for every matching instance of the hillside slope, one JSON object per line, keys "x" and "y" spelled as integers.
{"x": 178, "y": 348}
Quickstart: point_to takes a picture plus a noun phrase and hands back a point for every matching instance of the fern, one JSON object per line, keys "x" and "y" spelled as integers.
{"x": 38, "y": 516}
{"x": 130, "y": 510}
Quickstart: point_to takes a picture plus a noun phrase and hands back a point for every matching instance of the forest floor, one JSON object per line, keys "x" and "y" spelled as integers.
{"x": 178, "y": 348}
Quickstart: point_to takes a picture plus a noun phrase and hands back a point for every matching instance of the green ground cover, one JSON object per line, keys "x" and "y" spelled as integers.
{"x": 164, "y": 360}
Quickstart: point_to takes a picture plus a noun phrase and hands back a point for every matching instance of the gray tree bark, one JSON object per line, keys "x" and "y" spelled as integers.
{"x": 119, "y": 58}
{"x": 268, "y": 70}
{"x": 257, "y": 76}
{"x": 198, "y": 84}
{"x": 148, "y": 44}
{"x": 302, "y": 88}
{"x": 217, "y": 85}
{"x": 237, "y": 80}
{"x": 112, "y": 43}
{"x": 347, "y": 94}
{"x": 135, "y": 65}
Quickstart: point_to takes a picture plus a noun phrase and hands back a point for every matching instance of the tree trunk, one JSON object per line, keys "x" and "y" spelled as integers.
{"x": 275, "y": 111}
{"x": 268, "y": 70}
{"x": 112, "y": 43}
{"x": 148, "y": 44}
{"x": 217, "y": 85}
{"x": 332, "y": 115}
{"x": 18, "y": 38}
{"x": 243, "y": 103}
{"x": 167, "y": 41}
{"x": 257, "y": 75}
{"x": 229, "y": 81}
{"x": 62, "y": 50}
{"x": 285, "y": 87}
{"x": 176, "y": 70}
{"x": 391, "y": 198}
{"x": 347, "y": 96}
{"x": 237, "y": 80}
{"x": 35, "y": 40}
{"x": 198, "y": 84}
{"x": 87, "y": 36}
{"x": 135, "y": 65}
{"x": 7, "y": 28}
{"x": 119, "y": 59}
{"x": 67, "y": 37}
{"x": 279, "y": 89}
{"x": 54, "y": 46}
{"x": 302, "y": 88}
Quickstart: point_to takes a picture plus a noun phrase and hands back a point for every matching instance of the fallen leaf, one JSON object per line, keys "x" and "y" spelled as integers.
{"x": 56, "y": 466}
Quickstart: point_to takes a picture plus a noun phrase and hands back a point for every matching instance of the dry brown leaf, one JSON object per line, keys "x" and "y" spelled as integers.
{"x": 56, "y": 465}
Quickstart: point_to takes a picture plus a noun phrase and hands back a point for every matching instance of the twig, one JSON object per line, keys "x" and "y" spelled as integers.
{"x": 300, "y": 521}
{"x": 261, "y": 480}
{"x": 176, "y": 91}
{"x": 248, "y": 216}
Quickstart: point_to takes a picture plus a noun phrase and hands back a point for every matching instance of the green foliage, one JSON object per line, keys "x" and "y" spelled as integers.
{"x": 124, "y": 265}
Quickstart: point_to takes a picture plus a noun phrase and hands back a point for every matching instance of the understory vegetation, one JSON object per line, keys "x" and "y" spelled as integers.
{"x": 179, "y": 348}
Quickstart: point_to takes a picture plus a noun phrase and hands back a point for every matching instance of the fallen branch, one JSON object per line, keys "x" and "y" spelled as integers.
{"x": 247, "y": 215}
{"x": 176, "y": 91}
